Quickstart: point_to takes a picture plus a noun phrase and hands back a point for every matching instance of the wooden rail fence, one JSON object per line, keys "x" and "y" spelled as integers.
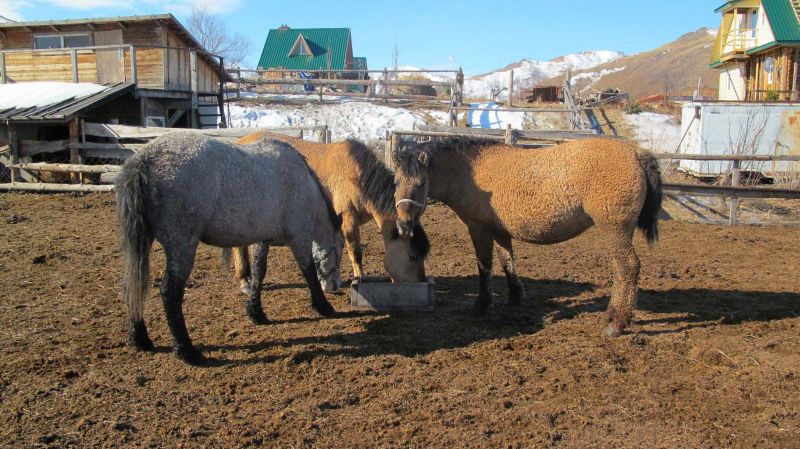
{"x": 123, "y": 141}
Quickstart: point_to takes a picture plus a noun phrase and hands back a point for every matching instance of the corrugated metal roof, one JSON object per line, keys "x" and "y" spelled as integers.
{"x": 783, "y": 20}
{"x": 54, "y": 101}
{"x": 328, "y": 45}
{"x": 359, "y": 63}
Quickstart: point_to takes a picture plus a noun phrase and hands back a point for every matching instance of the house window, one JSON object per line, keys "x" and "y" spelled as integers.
{"x": 754, "y": 23}
{"x": 301, "y": 50}
{"x": 62, "y": 41}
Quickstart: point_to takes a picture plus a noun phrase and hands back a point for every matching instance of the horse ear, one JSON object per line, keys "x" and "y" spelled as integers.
{"x": 396, "y": 157}
{"x": 423, "y": 158}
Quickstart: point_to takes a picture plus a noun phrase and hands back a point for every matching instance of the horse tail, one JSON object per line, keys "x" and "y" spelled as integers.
{"x": 648, "y": 216}
{"x": 137, "y": 237}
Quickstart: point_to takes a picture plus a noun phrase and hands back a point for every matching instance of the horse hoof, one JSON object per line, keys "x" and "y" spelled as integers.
{"x": 258, "y": 318}
{"x": 138, "y": 338}
{"x": 190, "y": 355}
{"x": 324, "y": 308}
{"x": 612, "y": 330}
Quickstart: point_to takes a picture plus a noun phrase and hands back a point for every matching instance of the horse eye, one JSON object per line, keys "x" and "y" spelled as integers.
{"x": 413, "y": 258}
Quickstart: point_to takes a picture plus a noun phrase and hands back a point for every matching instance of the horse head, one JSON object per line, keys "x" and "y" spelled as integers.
{"x": 327, "y": 249}
{"x": 411, "y": 188}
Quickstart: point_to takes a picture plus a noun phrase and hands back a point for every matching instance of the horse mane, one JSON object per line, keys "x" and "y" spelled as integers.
{"x": 375, "y": 181}
{"x": 408, "y": 161}
{"x": 336, "y": 219}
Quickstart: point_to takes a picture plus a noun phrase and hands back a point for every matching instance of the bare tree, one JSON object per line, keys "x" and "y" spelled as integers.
{"x": 215, "y": 37}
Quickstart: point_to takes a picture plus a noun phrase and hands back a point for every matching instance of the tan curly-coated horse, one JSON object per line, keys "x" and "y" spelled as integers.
{"x": 361, "y": 189}
{"x": 538, "y": 196}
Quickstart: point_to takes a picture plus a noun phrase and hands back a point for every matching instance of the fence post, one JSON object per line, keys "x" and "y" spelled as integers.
{"x": 328, "y": 135}
{"x": 510, "y": 136}
{"x": 194, "y": 77}
{"x": 511, "y": 89}
{"x": 3, "y": 77}
{"x": 73, "y": 57}
{"x": 13, "y": 142}
{"x": 133, "y": 64}
{"x": 385, "y": 86}
{"x": 460, "y": 87}
{"x": 319, "y": 134}
{"x": 221, "y": 96}
{"x": 736, "y": 180}
{"x": 74, "y": 152}
{"x": 394, "y": 145}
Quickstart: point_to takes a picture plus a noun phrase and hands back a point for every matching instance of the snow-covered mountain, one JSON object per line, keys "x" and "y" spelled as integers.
{"x": 529, "y": 72}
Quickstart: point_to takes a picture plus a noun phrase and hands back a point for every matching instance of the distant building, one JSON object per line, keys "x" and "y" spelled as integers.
{"x": 310, "y": 49}
{"x": 758, "y": 50}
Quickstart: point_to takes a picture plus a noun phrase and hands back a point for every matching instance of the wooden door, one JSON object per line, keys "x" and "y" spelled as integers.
{"x": 110, "y": 63}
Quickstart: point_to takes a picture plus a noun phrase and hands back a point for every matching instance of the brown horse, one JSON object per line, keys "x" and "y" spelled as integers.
{"x": 537, "y": 196}
{"x": 361, "y": 189}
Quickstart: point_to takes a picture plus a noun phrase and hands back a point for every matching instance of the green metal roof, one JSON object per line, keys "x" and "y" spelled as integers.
{"x": 328, "y": 46}
{"x": 359, "y": 63}
{"x": 783, "y": 20}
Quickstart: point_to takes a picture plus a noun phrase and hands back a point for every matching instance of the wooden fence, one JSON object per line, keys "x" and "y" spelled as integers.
{"x": 120, "y": 143}
{"x": 540, "y": 139}
{"x": 374, "y": 89}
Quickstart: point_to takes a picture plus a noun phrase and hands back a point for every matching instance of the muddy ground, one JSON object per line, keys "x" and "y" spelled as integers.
{"x": 713, "y": 359}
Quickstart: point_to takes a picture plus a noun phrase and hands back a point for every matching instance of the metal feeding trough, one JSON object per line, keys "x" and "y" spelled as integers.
{"x": 382, "y": 295}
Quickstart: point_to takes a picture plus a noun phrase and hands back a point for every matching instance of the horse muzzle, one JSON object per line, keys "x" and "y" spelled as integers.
{"x": 330, "y": 286}
{"x": 405, "y": 228}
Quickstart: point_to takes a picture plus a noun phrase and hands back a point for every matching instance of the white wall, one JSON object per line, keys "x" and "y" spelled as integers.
{"x": 732, "y": 82}
{"x": 740, "y": 128}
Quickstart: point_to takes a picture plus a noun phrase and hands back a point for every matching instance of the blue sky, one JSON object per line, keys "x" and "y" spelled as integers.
{"x": 479, "y": 36}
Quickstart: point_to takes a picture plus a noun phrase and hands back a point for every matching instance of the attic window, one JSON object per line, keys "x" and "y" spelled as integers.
{"x": 61, "y": 41}
{"x": 300, "y": 47}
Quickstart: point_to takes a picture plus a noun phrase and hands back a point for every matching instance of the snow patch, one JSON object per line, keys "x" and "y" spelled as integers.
{"x": 594, "y": 77}
{"x": 364, "y": 121}
{"x": 659, "y": 133}
{"x": 43, "y": 93}
{"x": 493, "y": 119}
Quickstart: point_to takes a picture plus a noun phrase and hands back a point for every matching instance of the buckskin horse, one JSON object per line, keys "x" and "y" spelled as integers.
{"x": 540, "y": 196}
{"x": 360, "y": 188}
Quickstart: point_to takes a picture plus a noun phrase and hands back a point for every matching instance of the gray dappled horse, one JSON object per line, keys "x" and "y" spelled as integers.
{"x": 184, "y": 188}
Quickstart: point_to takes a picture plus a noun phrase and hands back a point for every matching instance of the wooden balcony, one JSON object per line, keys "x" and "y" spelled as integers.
{"x": 736, "y": 42}
{"x": 148, "y": 67}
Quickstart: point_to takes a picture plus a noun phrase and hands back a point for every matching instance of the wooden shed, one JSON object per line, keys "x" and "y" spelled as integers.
{"x": 171, "y": 73}
{"x": 56, "y": 76}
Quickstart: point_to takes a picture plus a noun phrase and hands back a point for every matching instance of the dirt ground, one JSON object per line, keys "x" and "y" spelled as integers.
{"x": 713, "y": 359}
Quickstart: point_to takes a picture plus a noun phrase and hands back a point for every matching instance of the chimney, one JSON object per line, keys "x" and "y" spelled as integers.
{"x": 283, "y": 27}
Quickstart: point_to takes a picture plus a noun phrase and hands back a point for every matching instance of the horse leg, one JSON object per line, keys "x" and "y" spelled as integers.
{"x": 352, "y": 240}
{"x": 505, "y": 254}
{"x": 179, "y": 265}
{"x": 302, "y": 254}
{"x": 625, "y": 264}
{"x": 258, "y": 270}
{"x": 483, "y": 242}
{"x": 241, "y": 265}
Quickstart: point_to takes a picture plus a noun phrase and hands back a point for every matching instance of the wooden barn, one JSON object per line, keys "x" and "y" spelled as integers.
{"x": 138, "y": 70}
